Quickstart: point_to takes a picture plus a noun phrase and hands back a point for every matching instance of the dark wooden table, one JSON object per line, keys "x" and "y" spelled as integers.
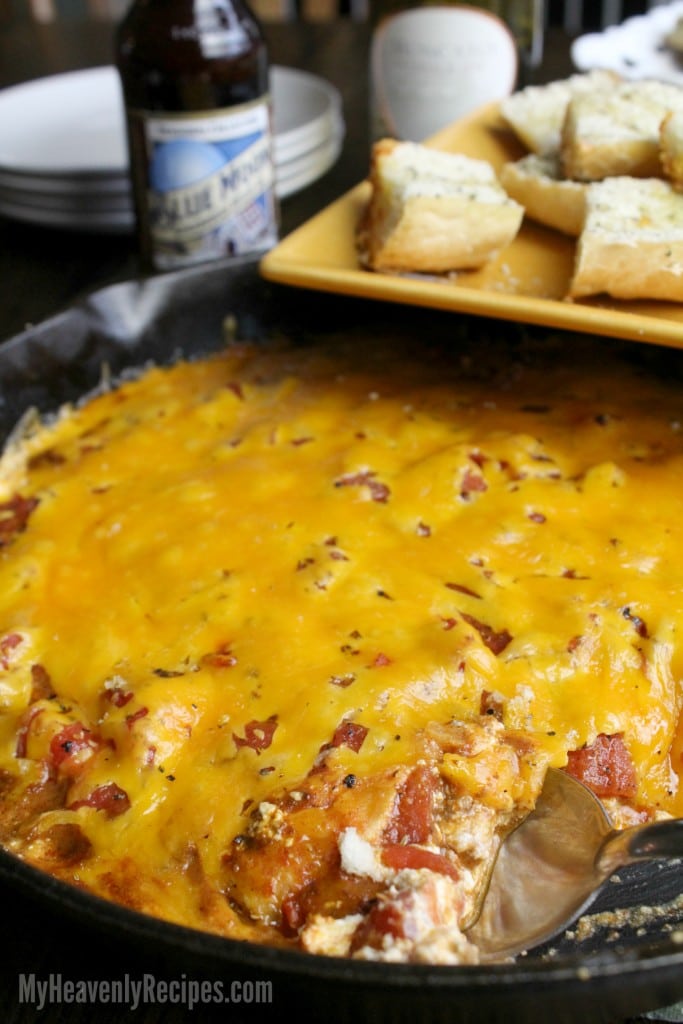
{"x": 44, "y": 270}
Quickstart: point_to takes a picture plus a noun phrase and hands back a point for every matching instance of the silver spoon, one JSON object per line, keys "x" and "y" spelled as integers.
{"x": 552, "y": 866}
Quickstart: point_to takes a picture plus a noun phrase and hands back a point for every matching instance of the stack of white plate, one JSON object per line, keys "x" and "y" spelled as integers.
{"x": 63, "y": 154}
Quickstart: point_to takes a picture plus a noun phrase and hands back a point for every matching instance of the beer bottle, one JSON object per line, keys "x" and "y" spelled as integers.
{"x": 432, "y": 62}
{"x": 194, "y": 76}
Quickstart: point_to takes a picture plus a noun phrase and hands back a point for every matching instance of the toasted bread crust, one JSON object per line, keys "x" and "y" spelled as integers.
{"x": 631, "y": 246}
{"x": 547, "y": 198}
{"x": 617, "y": 133}
{"x": 536, "y": 113}
{"x": 433, "y": 212}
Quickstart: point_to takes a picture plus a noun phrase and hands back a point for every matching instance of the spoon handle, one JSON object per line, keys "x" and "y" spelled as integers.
{"x": 641, "y": 842}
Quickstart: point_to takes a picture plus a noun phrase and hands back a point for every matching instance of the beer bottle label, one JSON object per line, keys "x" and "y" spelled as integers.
{"x": 210, "y": 189}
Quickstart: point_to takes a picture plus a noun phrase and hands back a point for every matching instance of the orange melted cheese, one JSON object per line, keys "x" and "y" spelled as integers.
{"x": 230, "y": 558}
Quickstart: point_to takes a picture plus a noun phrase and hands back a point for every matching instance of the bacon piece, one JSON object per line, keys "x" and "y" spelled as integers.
{"x": 495, "y": 641}
{"x": 472, "y": 483}
{"x": 109, "y": 798}
{"x": 294, "y": 913}
{"x": 410, "y": 913}
{"x": 135, "y": 716}
{"x": 412, "y": 819}
{"x": 386, "y": 918}
{"x": 8, "y": 644}
{"x": 462, "y": 589}
{"x": 350, "y": 734}
{"x": 366, "y": 478}
{"x": 222, "y": 657}
{"x": 605, "y": 767}
{"x": 72, "y": 748}
{"x": 257, "y": 735}
{"x": 343, "y": 681}
{"x": 14, "y": 515}
{"x": 399, "y": 857}
{"x": 41, "y": 684}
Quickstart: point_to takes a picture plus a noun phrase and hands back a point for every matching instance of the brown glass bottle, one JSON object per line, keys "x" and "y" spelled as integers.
{"x": 195, "y": 81}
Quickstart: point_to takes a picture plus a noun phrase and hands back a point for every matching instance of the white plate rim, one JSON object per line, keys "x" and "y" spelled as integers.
{"x": 30, "y": 207}
{"x": 100, "y": 85}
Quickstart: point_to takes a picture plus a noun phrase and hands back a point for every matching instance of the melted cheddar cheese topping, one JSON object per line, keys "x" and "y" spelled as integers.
{"x": 216, "y": 571}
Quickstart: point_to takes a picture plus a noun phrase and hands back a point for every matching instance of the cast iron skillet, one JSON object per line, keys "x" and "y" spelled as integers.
{"x": 616, "y": 972}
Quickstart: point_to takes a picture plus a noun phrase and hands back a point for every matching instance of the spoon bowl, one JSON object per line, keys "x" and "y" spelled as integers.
{"x": 553, "y": 865}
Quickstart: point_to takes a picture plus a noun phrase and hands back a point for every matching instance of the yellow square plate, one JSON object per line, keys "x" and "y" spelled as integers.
{"x": 527, "y": 282}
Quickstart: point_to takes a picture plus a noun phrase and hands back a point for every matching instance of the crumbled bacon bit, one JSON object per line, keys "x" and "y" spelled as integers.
{"x": 41, "y": 684}
{"x": 423, "y": 530}
{"x": 293, "y": 914}
{"x": 14, "y": 515}
{"x": 258, "y": 736}
{"x": 496, "y": 641}
{"x": 8, "y": 643}
{"x": 605, "y": 767}
{"x": 366, "y": 478}
{"x": 384, "y": 919}
{"x": 117, "y": 696}
{"x": 351, "y": 735}
{"x": 222, "y": 657}
{"x": 472, "y": 483}
{"x": 536, "y": 517}
{"x": 462, "y": 589}
{"x": 135, "y": 716}
{"x": 109, "y": 798}
{"x": 380, "y": 661}
{"x": 400, "y": 856}
{"x": 344, "y": 680}
{"x": 411, "y": 820}
{"x": 72, "y": 748}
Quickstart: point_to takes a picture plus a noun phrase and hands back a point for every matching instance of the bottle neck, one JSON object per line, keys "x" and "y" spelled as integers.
{"x": 163, "y": 32}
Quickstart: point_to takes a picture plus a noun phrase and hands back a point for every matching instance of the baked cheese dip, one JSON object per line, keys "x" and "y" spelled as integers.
{"x": 289, "y": 635}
